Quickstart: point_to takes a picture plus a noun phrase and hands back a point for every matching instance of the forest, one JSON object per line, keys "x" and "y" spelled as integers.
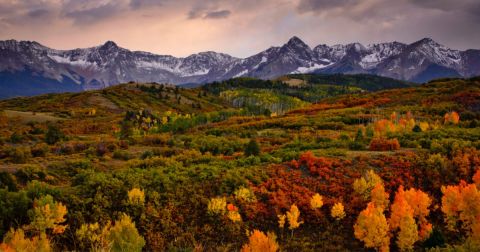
{"x": 301, "y": 163}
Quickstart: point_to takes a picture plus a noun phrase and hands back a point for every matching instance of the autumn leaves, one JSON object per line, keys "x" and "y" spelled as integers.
{"x": 408, "y": 215}
{"x": 259, "y": 241}
{"x": 47, "y": 217}
{"x": 410, "y": 210}
{"x": 461, "y": 207}
{"x": 219, "y": 207}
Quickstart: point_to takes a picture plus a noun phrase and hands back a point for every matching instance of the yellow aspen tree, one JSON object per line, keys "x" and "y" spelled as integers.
{"x": 92, "y": 237}
{"x": 124, "y": 236}
{"x": 258, "y": 241}
{"x": 136, "y": 196}
{"x": 217, "y": 206}
{"x": 15, "y": 240}
{"x": 424, "y": 126}
{"x": 420, "y": 202}
{"x": 47, "y": 214}
{"x": 292, "y": 217}
{"x": 316, "y": 201}
{"x": 245, "y": 194}
{"x": 401, "y": 218}
{"x": 379, "y": 197}
{"x": 364, "y": 185}
{"x": 372, "y": 228}
{"x": 281, "y": 220}
{"x": 234, "y": 216}
{"x": 408, "y": 233}
{"x": 338, "y": 211}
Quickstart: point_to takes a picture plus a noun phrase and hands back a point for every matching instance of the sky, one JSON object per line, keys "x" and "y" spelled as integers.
{"x": 238, "y": 27}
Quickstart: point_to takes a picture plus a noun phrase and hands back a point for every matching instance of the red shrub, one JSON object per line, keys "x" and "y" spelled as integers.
{"x": 382, "y": 144}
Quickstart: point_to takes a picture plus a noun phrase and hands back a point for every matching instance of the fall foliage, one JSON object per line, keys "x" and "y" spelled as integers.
{"x": 364, "y": 185}
{"x": 379, "y": 197}
{"x": 124, "y": 235}
{"x": 136, "y": 196}
{"x": 382, "y": 144}
{"x": 15, "y": 240}
{"x": 217, "y": 206}
{"x": 324, "y": 167}
{"x": 258, "y": 241}
{"x": 372, "y": 228}
{"x": 48, "y": 214}
{"x": 338, "y": 211}
{"x": 293, "y": 217}
{"x": 460, "y": 205}
{"x": 316, "y": 201}
{"x": 452, "y": 117}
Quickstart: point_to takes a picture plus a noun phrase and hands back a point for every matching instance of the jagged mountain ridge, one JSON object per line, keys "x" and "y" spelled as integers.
{"x": 109, "y": 64}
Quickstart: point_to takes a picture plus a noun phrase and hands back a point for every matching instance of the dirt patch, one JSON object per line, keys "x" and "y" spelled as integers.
{"x": 30, "y": 116}
{"x": 295, "y": 82}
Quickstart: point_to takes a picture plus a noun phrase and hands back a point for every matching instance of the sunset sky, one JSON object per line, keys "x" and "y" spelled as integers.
{"x": 237, "y": 27}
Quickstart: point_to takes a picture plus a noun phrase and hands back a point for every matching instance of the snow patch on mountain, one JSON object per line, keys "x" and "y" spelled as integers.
{"x": 312, "y": 68}
{"x": 242, "y": 73}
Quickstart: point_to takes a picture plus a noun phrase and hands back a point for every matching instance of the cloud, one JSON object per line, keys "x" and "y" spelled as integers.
{"x": 470, "y": 7}
{"x": 137, "y": 4}
{"x": 206, "y": 14}
{"x": 217, "y": 14}
{"x": 211, "y": 9}
{"x": 195, "y": 13}
{"x": 324, "y": 5}
{"x": 242, "y": 27}
{"x": 89, "y": 13}
{"x": 39, "y": 13}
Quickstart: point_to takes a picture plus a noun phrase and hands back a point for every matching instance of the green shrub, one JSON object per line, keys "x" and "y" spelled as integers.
{"x": 19, "y": 155}
{"x": 30, "y": 172}
{"x": 53, "y": 135}
{"x": 16, "y": 138}
{"x": 7, "y": 181}
{"x": 122, "y": 155}
{"x": 354, "y": 145}
{"x": 147, "y": 154}
{"x": 40, "y": 150}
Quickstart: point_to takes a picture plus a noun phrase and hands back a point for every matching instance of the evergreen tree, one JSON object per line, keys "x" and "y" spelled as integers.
{"x": 53, "y": 135}
{"x": 252, "y": 148}
{"x": 417, "y": 128}
{"x": 359, "y": 137}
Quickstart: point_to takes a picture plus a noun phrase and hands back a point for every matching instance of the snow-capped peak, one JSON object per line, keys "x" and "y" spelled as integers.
{"x": 428, "y": 49}
{"x": 109, "y": 64}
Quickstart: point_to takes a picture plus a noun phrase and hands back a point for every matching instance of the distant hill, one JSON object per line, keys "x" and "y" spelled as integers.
{"x": 364, "y": 81}
{"x": 292, "y": 91}
{"x": 119, "y": 99}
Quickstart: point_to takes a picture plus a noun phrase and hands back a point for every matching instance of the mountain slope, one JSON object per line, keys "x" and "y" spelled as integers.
{"x": 29, "y": 68}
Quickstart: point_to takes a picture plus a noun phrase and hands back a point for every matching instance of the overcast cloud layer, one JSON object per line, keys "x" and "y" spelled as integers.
{"x": 238, "y": 27}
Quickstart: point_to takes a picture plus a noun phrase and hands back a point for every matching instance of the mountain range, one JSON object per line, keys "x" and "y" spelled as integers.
{"x": 29, "y": 68}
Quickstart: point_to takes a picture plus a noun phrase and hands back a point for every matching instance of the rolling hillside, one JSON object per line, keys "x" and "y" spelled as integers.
{"x": 188, "y": 167}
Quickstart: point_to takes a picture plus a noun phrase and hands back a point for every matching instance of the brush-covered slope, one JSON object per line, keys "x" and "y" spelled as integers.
{"x": 119, "y": 99}
{"x": 184, "y": 178}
